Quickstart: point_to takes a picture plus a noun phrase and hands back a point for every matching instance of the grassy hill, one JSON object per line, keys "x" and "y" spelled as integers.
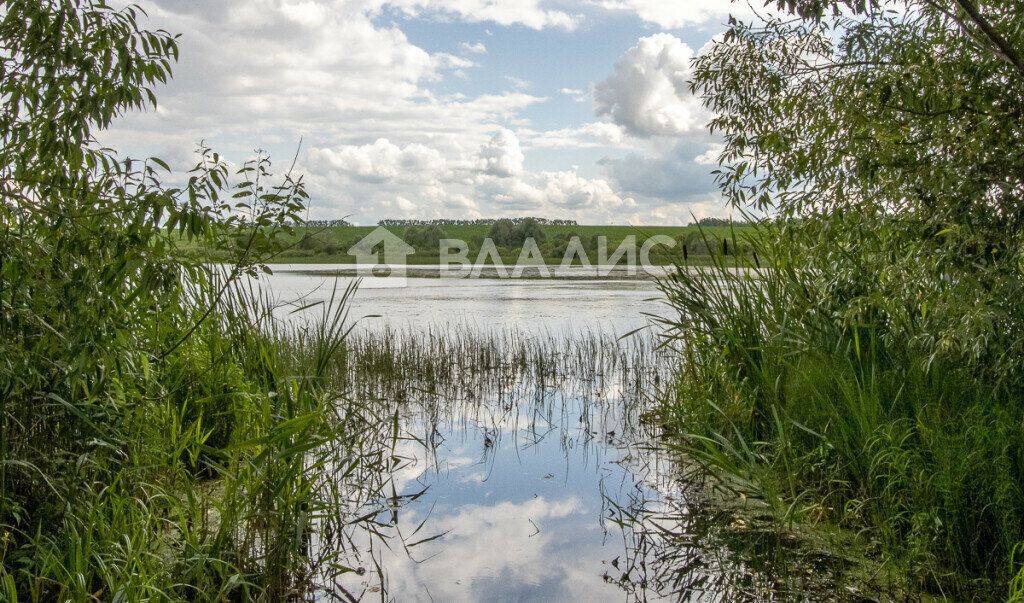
{"x": 331, "y": 244}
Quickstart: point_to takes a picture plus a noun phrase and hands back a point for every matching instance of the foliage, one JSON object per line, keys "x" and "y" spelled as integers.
{"x": 560, "y": 244}
{"x": 1017, "y": 583}
{"x": 424, "y": 238}
{"x": 316, "y": 242}
{"x": 327, "y": 223}
{"x": 847, "y": 423}
{"x": 331, "y": 244}
{"x": 504, "y": 234}
{"x": 870, "y": 373}
{"x": 892, "y": 135}
{"x": 129, "y": 373}
{"x": 530, "y": 229}
{"x": 711, "y": 222}
{"x": 471, "y": 222}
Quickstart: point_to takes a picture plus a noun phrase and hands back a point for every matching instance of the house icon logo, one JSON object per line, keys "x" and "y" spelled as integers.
{"x": 380, "y": 258}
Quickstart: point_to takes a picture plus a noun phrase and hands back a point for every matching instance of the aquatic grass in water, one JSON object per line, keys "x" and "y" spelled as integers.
{"x": 456, "y": 362}
{"x": 510, "y": 400}
{"x": 510, "y": 395}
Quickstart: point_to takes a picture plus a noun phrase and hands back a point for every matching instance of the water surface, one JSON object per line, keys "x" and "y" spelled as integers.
{"x": 529, "y": 463}
{"x": 614, "y": 305}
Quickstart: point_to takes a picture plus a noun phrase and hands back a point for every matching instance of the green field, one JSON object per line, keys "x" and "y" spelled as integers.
{"x": 331, "y": 244}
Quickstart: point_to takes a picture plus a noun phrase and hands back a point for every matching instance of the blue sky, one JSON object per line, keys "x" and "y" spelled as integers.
{"x": 448, "y": 108}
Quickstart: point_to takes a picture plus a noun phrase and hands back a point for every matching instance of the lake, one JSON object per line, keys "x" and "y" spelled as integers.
{"x": 614, "y": 305}
{"x": 529, "y": 468}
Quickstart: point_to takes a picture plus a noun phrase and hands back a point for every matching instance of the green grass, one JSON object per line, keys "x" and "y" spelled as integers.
{"x": 209, "y": 474}
{"x": 861, "y": 419}
{"x": 457, "y": 362}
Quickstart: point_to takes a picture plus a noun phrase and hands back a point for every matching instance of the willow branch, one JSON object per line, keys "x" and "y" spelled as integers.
{"x": 1006, "y": 50}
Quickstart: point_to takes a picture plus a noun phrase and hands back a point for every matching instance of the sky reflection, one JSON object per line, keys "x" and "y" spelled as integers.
{"x": 517, "y": 498}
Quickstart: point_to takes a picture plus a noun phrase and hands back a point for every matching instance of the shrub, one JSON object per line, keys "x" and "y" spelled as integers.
{"x": 425, "y": 238}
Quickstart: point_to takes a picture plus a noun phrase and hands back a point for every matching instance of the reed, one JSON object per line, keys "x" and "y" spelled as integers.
{"x": 224, "y": 471}
{"x": 460, "y": 362}
{"x": 847, "y": 410}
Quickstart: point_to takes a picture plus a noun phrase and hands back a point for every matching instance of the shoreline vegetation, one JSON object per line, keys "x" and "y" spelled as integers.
{"x": 547, "y": 272}
{"x": 872, "y": 376}
{"x": 162, "y": 438}
{"x": 725, "y": 548}
{"x": 701, "y": 241}
{"x": 834, "y": 427}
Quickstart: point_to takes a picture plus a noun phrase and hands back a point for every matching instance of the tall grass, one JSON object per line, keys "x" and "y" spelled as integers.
{"x": 1017, "y": 583}
{"x": 460, "y": 362}
{"x": 207, "y": 476}
{"x": 835, "y": 406}
{"x": 156, "y": 441}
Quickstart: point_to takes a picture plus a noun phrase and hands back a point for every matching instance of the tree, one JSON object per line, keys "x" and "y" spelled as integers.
{"x": 883, "y": 140}
{"x": 895, "y": 112}
{"x": 891, "y": 131}
{"x": 424, "y": 238}
{"x": 503, "y": 233}
{"x": 97, "y": 290}
{"x": 530, "y": 228}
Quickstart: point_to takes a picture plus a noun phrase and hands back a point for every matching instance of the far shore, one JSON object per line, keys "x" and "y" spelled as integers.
{"x": 532, "y": 272}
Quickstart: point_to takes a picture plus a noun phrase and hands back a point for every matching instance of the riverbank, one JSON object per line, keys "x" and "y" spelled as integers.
{"x": 581, "y": 244}
{"x": 656, "y": 258}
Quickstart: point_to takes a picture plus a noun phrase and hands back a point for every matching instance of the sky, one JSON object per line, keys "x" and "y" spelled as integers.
{"x": 447, "y": 108}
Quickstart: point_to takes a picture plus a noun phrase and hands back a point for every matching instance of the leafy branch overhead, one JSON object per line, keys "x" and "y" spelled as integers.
{"x": 908, "y": 108}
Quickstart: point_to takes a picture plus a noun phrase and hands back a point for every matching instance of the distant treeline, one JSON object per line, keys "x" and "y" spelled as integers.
{"x": 323, "y": 223}
{"x": 477, "y": 222}
{"x": 489, "y": 222}
{"x": 721, "y": 222}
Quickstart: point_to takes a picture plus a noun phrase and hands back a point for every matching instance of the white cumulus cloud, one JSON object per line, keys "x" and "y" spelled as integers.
{"x": 384, "y": 131}
{"x": 578, "y": 96}
{"x": 556, "y": 193}
{"x": 648, "y": 93}
{"x": 595, "y": 134}
{"x": 519, "y": 12}
{"x": 477, "y": 48}
{"x": 501, "y": 156}
{"x": 378, "y": 162}
{"x": 679, "y": 13}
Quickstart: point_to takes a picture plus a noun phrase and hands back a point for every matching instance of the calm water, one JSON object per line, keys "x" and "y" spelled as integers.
{"x": 523, "y": 488}
{"x": 533, "y": 305}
